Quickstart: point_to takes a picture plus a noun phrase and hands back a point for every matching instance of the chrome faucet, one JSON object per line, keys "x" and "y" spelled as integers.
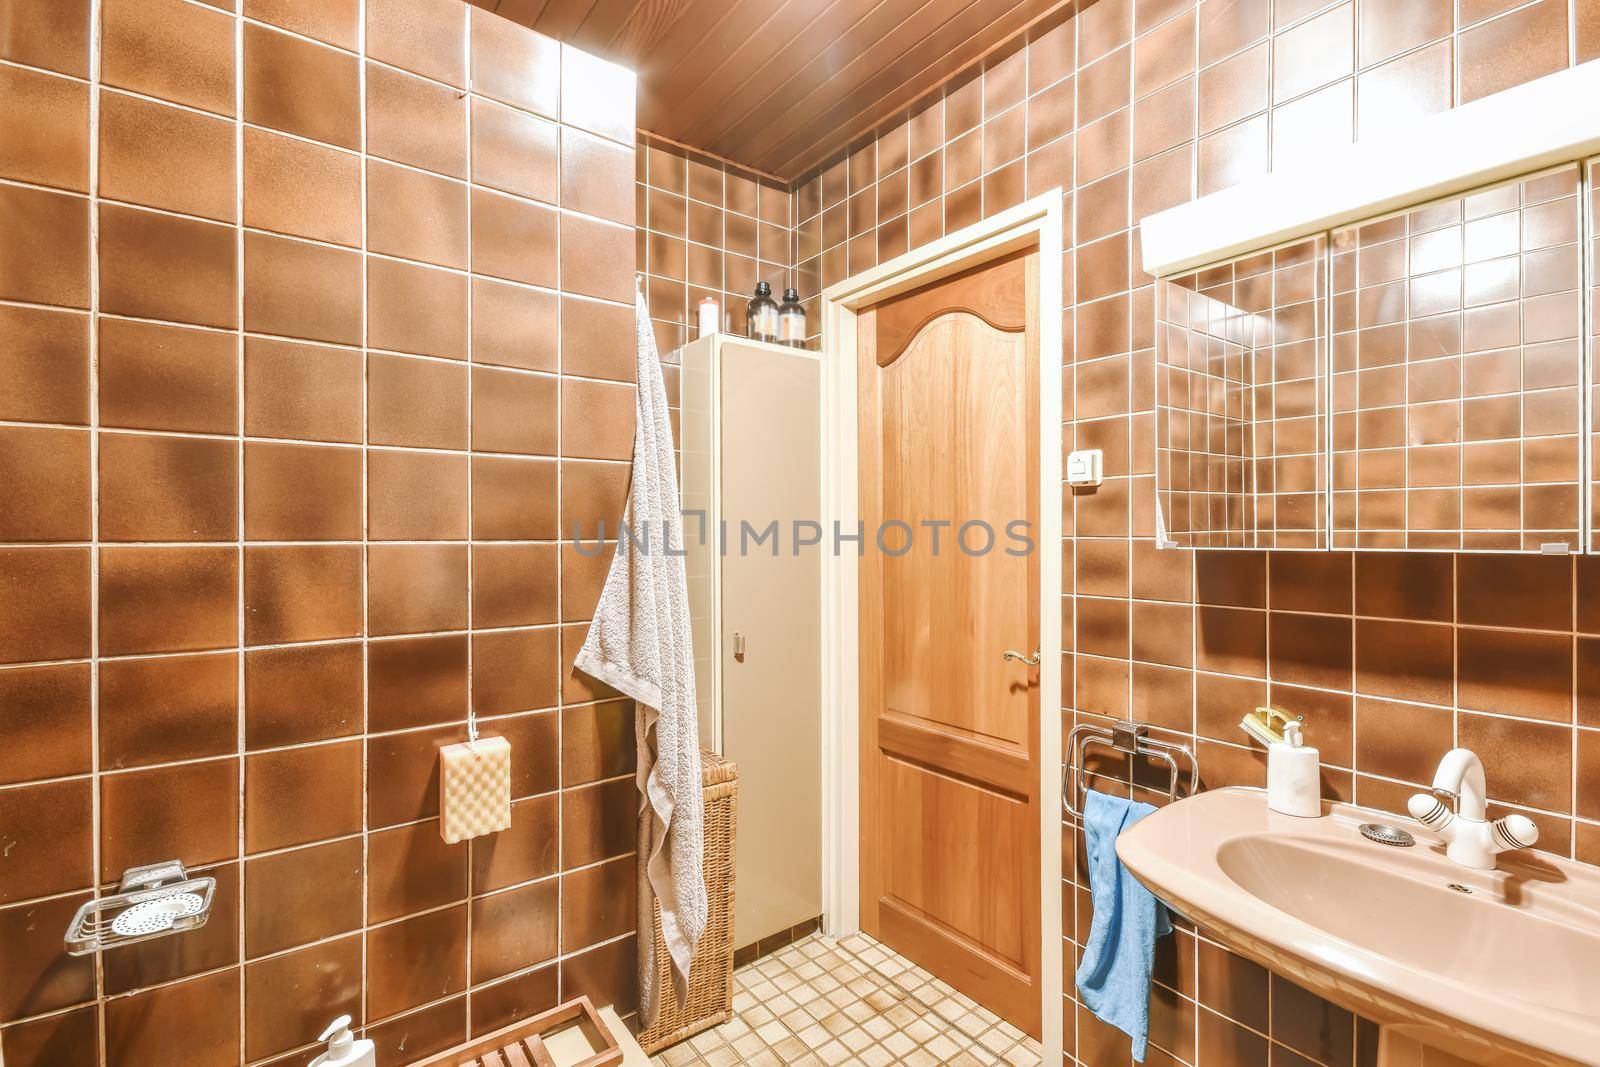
{"x": 1470, "y": 838}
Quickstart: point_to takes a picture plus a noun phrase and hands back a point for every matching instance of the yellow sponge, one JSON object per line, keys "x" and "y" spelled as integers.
{"x": 474, "y": 788}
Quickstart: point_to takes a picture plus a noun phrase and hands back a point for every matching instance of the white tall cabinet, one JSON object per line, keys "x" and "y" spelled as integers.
{"x": 751, "y": 440}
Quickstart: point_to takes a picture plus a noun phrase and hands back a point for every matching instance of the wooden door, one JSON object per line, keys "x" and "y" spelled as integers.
{"x": 948, "y": 402}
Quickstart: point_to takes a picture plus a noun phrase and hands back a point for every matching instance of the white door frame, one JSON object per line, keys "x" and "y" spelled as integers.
{"x": 1034, "y": 223}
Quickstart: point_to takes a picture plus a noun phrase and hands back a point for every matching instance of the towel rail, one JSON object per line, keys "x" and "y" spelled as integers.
{"x": 1125, "y": 736}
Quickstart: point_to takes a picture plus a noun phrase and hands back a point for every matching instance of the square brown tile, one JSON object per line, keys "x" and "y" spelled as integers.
{"x": 336, "y": 22}
{"x": 515, "y": 67}
{"x": 45, "y": 710}
{"x": 598, "y": 95}
{"x": 514, "y": 929}
{"x": 278, "y": 1015}
{"x": 417, "y": 681}
{"x": 301, "y": 492}
{"x": 157, "y": 377}
{"x": 514, "y": 670}
{"x": 416, "y": 309}
{"x": 168, "y": 599}
{"x": 513, "y": 585}
{"x": 51, "y": 834}
{"x": 595, "y": 823}
{"x": 170, "y": 50}
{"x": 47, "y": 471}
{"x": 38, "y": 976}
{"x": 53, "y": 34}
{"x": 595, "y": 177}
{"x": 420, "y": 403}
{"x": 418, "y": 122}
{"x": 427, "y": 37}
{"x": 306, "y": 392}
{"x": 297, "y": 289}
{"x": 513, "y": 499}
{"x": 188, "y": 811}
{"x": 166, "y": 157}
{"x": 44, "y": 604}
{"x": 596, "y": 742}
{"x": 159, "y": 488}
{"x": 44, "y": 250}
{"x": 301, "y": 593}
{"x": 525, "y": 851}
{"x": 46, "y": 129}
{"x": 411, "y": 869}
{"x": 167, "y": 708}
{"x": 513, "y": 411}
{"x": 300, "y": 188}
{"x": 414, "y": 496}
{"x": 416, "y": 588}
{"x": 596, "y": 420}
{"x": 514, "y": 326}
{"x": 293, "y": 85}
{"x": 599, "y": 903}
{"x": 44, "y": 365}
{"x": 72, "y": 1037}
{"x": 214, "y": 945}
{"x": 201, "y": 1013}
{"x": 305, "y": 693}
{"x": 415, "y": 215}
{"x": 158, "y": 266}
{"x": 520, "y": 153}
{"x": 417, "y": 960}
{"x": 297, "y": 795}
{"x": 515, "y": 239}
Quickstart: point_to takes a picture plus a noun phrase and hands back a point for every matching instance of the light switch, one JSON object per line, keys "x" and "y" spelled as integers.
{"x": 1085, "y": 467}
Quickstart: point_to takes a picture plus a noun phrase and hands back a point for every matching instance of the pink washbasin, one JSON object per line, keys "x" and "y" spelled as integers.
{"x": 1498, "y": 967}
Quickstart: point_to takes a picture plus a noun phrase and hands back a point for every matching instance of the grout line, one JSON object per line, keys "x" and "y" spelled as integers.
{"x": 241, "y": 742}
{"x": 97, "y": 850}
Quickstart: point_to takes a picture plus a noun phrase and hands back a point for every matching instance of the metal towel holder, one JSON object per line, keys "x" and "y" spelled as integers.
{"x": 1126, "y": 736}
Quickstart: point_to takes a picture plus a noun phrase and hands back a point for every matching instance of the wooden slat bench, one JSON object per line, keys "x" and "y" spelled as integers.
{"x": 522, "y": 1044}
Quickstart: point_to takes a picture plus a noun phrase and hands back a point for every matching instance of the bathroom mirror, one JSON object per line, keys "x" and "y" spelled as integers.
{"x": 1241, "y": 402}
{"x": 1458, "y": 371}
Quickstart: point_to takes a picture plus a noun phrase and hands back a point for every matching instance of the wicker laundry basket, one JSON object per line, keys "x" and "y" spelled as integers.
{"x": 710, "y": 1000}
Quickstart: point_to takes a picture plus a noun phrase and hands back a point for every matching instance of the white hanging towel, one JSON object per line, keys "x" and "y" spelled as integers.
{"x": 639, "y": 643}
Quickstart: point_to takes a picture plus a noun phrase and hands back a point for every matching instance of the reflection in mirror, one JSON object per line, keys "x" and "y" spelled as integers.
{"x": 1594, "y": 348}
{"x": 1241, "y": 432}
{"x": 1457, "y": 372}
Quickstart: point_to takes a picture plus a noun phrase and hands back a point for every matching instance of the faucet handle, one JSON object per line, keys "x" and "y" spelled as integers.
{"x": 1514, "y": 832}
{"x": 1430, "y": 812}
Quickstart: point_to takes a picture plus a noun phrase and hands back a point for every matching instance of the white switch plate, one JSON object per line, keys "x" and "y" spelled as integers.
{"x": 1085, "y": 467}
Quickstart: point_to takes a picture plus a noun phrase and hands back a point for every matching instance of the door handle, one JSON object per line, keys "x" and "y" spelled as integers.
{"x": 1032, "y": 661}
{"x": 738, "y": 646}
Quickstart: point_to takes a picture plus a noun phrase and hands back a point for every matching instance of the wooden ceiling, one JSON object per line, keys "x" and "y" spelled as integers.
{"x": 780, "y": 85}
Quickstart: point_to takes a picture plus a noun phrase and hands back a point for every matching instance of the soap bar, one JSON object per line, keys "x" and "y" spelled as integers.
{"x": 474, "y": 788}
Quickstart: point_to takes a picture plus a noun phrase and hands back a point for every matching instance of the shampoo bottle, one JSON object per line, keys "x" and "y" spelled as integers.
{"x": 343, "y": 1049}
{"x": 1292, "y": 776}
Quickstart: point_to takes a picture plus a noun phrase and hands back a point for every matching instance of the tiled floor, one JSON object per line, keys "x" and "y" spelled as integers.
{"x": 822, "y": 1001}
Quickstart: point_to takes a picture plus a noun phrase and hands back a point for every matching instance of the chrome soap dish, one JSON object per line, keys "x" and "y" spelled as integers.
{"x": 152, "y": 902}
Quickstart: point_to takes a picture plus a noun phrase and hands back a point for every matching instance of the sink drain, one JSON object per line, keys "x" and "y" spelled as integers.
{"x": 1458, "y": 887}
{"x": 1387, "y": 835}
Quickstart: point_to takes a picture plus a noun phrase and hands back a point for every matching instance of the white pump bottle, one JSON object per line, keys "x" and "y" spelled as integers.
{"x": 343, "y": 1049}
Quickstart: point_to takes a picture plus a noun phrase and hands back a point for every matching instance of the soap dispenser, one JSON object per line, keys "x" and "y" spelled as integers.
{"x": 1293, "y": 779}
{"x": 343, "y": 1049}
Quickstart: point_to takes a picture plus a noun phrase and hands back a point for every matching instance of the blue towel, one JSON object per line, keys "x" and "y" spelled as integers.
{"x": 1114, "y": 977}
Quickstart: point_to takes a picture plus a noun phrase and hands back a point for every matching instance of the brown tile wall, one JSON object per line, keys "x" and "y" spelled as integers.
{"x": 1134, "y": 106}
{"x": 708, "y": 228}
{"x": 1458, "y": 367}
{"x": 315, "y": 333}
{"x": 1240, "y": 367}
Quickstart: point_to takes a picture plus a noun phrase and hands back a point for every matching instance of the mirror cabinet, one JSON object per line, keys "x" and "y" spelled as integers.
{"x": 1412, "y": 381}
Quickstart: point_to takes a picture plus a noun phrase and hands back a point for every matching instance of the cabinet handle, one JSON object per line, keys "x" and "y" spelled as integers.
{"x": 738, "y": 646}
{"x": 1032, "y": 661}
